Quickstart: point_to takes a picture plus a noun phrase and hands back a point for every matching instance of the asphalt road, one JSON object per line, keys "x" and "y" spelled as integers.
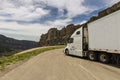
{"x": 54, "y": 65}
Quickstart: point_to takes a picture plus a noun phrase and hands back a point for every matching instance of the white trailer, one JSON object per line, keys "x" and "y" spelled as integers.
{"x": 104, "y": 33}
{"x": 97, "y": 40}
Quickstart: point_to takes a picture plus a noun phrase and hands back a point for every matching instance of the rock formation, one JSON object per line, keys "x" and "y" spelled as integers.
{"x": 57, "y": 37}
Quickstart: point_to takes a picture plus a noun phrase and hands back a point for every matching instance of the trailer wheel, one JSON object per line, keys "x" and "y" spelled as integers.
{"x": 92, "y": 56}
{"x": 66, "y": 52}
{"x": 104, "y": 58}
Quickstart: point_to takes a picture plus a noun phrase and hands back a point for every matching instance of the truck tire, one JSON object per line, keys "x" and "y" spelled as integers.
{"x": 66, "y": 52}
{"x": 92, "y": 56}
{"x": 104, "y": 58}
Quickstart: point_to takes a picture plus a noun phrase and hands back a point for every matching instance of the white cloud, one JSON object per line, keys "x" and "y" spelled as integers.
{"x": 74, "y": 7}
{"x": 27, "y": 10}
{"x": 30, "y": 31}
{"x": 83, "y": 22}
{"x": 33, "y": 30}
{"x": 111, "y": 2}
{"x": 59, "y": 22}
{"x": 30, "y": 10}
{"x": 23, "y": 12}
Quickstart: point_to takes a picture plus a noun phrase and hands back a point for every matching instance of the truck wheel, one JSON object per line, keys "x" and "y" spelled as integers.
{"x": 92, "y": 56}
{"x": 104, "y": 58}
{"x": 66, "y": 52}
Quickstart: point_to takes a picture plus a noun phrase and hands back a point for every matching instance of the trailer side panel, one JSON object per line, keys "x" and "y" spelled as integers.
{"x": 104, "y": 33}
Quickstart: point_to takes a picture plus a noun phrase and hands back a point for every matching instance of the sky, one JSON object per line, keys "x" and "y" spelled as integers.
{"x": 29, "y": 19}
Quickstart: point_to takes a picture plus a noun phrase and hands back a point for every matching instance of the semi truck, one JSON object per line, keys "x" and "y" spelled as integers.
{"x": 97, "y": 40}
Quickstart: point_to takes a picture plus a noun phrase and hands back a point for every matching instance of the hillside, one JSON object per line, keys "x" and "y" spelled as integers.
{"x": 9, "y": 44}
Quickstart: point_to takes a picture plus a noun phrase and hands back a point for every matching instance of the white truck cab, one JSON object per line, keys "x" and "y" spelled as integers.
{"x": 98, "y": 40}
{"x": 74, "y": 46}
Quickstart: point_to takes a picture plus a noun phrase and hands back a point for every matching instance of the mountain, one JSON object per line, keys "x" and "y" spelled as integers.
{"x": 57, "y": 37}
{"x": 9, "y": 45}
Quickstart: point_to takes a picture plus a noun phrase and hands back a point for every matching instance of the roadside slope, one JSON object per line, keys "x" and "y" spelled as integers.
{"x": 54, "y": 65}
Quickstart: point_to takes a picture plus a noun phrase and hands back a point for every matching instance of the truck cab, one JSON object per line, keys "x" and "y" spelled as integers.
{"x": 75, "y": 44}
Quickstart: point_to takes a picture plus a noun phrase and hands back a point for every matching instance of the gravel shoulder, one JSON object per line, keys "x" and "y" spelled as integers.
{"x": 54, "y": 65}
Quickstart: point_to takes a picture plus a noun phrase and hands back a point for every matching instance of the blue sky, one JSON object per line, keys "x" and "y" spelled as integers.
{"x": 28, "y": 19}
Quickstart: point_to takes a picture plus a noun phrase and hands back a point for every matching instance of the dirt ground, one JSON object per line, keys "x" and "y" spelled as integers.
{"x": 54, "y": 65}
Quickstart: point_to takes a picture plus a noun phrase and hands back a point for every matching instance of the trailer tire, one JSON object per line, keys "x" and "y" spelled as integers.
{"x": 104, "y": 58}
{"x": 66, "y": 52}
{"x": 92, "y": 56}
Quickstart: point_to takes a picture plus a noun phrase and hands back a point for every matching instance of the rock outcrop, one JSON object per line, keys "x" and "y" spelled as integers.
{"x": 57, "y": 37}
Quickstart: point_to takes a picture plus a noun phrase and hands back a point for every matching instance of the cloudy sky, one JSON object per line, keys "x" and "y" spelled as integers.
{"x": 28, "y": 19}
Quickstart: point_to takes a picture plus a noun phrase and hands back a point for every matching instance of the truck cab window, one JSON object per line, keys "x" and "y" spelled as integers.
{"x": 70, "y": 40}
{"x": 78, "y": 32}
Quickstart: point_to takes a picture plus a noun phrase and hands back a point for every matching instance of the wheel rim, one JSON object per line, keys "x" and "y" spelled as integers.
{"x": 92, "y": 56}
{"x": 103, "y": 58}
{"x": 66, "y": 52}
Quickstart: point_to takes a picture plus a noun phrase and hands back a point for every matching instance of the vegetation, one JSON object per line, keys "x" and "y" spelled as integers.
{"x": 7, "y": 60}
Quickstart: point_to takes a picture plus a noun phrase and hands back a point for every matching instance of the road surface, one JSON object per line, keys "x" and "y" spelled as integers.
{"x": 54, "y": 65}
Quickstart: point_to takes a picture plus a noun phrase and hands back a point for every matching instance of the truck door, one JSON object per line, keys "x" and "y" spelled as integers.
{"x": 78, "y": 43}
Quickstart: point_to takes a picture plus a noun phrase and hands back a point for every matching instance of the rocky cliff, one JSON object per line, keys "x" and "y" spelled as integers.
{"x": 57, "y": 37}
